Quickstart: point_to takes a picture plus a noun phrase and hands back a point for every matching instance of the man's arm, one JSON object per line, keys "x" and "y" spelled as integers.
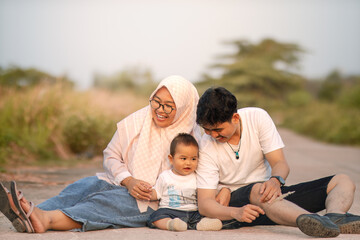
{"x": 270, "y": 189}
{"x": 278, "y": 163}
{"x": 210, "y": 208}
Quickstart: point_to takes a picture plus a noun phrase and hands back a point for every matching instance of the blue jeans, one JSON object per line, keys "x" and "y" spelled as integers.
{"x": 310, "y": 196}
{"x": 190, "y": 217}
{"x": 98, "y": 204}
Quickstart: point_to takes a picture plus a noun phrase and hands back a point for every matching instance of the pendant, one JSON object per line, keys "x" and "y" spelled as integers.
{"x": 237, "y": 155}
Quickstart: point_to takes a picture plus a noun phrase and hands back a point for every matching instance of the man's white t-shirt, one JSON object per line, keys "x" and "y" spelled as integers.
{"x": 218, "y": 166}
{"x": 176, "y": 192}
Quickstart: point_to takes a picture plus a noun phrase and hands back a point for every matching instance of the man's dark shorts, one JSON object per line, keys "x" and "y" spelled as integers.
{"x": 190, "y": 217}
{"x": 310, "y": 196}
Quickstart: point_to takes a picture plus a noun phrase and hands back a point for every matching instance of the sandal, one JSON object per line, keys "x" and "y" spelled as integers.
{"x": 10, "y": 211}
{"x": 17, "y": 196}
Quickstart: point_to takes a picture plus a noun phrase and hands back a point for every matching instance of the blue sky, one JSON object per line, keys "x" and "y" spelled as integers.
{"x": 80, "y": 37}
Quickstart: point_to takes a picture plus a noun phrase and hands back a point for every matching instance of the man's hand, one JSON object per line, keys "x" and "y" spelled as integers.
{"x": 137, "y": 188}
{"x": 223, "y": 197}
{"x": 247, "y": 213}
{"x": 270, "y": 190}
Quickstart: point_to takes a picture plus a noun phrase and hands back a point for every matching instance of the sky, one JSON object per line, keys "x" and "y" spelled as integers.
{"x": 82, "y": 37}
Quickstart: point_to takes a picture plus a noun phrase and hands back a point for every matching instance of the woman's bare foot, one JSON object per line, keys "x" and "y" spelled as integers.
{"x": 38, "y": 218}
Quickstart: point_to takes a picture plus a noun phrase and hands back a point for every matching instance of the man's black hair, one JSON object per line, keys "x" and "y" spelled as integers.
{"x": 183, "y": 138}
{"x": 217, "y": 105}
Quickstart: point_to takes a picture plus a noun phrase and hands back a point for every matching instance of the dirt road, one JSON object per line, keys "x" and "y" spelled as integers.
{"x": 308, "y": 160}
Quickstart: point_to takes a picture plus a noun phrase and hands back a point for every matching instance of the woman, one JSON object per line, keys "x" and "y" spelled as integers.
{"x": 133, "y": 159}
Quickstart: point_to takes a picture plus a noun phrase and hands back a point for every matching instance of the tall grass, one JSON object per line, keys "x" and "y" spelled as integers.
{"x": 50, "y": 122}
{"x": 327, "y": 122}
{"x": 53, "y": 122}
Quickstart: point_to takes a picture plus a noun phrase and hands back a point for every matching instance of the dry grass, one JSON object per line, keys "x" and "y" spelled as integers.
{"x": 115, "y": 104}
{"x": 49, "y": 122}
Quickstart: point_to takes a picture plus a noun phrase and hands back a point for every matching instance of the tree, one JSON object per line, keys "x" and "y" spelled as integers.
{"x": 136, "y": 79}
{"x": 259, "y": 71}
{"x": 331, "y": 86}
{"x": 22, "y": 78}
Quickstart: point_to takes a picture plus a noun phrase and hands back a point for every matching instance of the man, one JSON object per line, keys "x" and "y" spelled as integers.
{"x": 241, "y": 153}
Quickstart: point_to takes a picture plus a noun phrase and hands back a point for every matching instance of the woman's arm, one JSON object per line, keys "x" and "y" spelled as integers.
{"x": 117, "y": 171}
{"x": 114, "y": 164}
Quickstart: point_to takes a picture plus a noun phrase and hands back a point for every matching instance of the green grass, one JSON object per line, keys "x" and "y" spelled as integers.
{"x": 326, "y": 122}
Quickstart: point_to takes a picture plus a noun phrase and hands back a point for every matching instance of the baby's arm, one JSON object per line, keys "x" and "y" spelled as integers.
{"x": 153, "y": 195}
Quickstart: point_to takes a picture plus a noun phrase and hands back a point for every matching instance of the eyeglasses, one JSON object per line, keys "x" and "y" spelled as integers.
{"x": 156, "y": 105}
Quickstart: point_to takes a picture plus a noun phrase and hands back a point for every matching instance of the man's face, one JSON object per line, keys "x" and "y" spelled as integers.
{"x": 223, "y": 132}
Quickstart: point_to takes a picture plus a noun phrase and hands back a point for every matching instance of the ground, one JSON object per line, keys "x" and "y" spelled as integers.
{"x": 308, "y": 160}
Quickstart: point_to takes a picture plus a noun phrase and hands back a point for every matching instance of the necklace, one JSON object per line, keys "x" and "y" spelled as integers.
{"x": 237, "y": 152}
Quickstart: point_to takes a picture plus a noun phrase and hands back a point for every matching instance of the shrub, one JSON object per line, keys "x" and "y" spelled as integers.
{"x": 325, "y": 122}
{"x": 49, "y": 122}
{"x": 298, "y": 99}
{"x": 87, "y": 134}
{"x": 350, "y": 97}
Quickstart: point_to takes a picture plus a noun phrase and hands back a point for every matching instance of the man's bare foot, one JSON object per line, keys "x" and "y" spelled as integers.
{"x": 39, "y": 219}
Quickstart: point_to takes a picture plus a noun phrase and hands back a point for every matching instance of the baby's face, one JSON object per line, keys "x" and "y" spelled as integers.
{"x": 185, "y": 160}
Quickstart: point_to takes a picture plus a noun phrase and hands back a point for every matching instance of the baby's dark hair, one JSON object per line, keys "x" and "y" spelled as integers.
{"x": 183, "y": 138}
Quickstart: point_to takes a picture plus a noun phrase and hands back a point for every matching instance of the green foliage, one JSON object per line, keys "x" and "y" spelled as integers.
{"x": 335, "y": 118}
{"x": 135, "y": 79}
{"x": 331, "y": 87}
{"x": 350, "y": 95}
{"x": 27, "y": 121}
{"x": 44, "y": 123}
{"x": 325, "y": 122}
{"x": 299, "y": 98}
{"x": 87, "y": 133}
{"x": 17, "y": 77}
{"x": 260, "y": 71}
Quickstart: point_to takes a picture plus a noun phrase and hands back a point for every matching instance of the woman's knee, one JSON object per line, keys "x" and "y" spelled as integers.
{"x": 341, "y": 180}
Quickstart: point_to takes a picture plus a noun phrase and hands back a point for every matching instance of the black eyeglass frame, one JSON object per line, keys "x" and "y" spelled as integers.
{"x": 161, "y": 105}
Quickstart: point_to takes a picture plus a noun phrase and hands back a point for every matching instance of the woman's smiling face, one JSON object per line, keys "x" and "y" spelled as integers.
{"x": 160, "y": 117}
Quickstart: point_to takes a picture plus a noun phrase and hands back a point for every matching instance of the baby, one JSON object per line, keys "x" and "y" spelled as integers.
{"x": 176, "y": 190}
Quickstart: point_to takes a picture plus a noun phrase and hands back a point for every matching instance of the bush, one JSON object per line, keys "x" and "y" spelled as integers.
{"x": 298, "y": 99}
{"x": 325, "y": 122}
{"x": 350, "y": 97}
{"x": 49, "y": 122}
{"x": 86, "y": 134}
{"x": 28, "y": 119}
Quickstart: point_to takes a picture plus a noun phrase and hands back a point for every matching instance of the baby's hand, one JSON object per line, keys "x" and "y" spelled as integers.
{"x": 224, "y": 196}
{"x": 153, "y": 195}
{"x": 138, "y": 189}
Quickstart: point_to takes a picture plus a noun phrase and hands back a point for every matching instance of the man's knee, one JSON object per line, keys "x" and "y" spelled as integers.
{"x": 341, "y": 180}
{"x": 255, "y": 194}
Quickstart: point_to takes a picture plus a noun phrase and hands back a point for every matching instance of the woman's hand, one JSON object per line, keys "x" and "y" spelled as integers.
{"x": 137, "y": 188}
{"x": 270, "y": 190}
{"x": 223, "y": 197}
